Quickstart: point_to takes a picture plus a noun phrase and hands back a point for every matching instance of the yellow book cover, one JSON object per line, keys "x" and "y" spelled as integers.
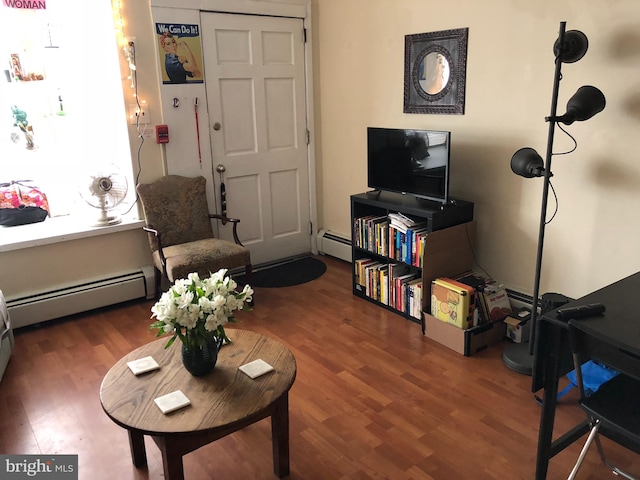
{"x": 452, "y": 303}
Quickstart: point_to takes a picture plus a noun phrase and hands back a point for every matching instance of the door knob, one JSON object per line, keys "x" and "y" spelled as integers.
{"x": 217, "y": 126}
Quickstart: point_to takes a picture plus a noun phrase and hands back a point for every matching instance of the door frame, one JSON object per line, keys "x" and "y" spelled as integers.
{"x": 275, "y": 8}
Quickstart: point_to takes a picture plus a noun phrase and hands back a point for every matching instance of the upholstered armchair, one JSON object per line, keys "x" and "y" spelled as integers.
{"x": 180, "y": 232}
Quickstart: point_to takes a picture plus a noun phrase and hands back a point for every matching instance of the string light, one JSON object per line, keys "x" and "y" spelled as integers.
{"x": 118, "y": 22}
{"x": 128, "y": 47}
{"x": 130, "y": 55}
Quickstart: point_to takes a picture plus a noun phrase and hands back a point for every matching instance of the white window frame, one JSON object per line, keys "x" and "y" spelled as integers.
{"x": 73, "y": 45}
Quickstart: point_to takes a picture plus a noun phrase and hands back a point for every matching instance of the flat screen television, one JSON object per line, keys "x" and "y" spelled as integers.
{"x": 414, "y": 162}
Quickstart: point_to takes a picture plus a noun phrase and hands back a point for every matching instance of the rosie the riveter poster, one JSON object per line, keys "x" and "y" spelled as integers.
{"x": 180, "y": 52}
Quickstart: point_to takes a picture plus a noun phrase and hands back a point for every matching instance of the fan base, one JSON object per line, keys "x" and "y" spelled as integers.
{"x": 103, "y": 222}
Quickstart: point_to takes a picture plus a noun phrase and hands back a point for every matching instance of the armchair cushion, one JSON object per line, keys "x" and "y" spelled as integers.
{"x": 203, "y": 256}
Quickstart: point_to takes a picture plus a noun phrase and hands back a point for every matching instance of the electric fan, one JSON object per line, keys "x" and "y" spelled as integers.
{"x": 105, "y": 191}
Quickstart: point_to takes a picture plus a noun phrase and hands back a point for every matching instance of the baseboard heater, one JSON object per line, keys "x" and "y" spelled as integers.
{"x": 335, "y": 245}
{"x": 81, "y": 297}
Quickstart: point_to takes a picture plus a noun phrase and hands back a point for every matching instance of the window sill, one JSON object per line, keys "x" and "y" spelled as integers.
{"x": 59, "y": 229}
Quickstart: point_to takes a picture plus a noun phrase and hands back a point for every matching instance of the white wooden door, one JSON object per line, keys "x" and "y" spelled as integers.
{"x": 255, "y": 84}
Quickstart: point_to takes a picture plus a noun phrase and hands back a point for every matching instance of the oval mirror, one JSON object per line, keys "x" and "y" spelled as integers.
{"x": 434, "y": 73}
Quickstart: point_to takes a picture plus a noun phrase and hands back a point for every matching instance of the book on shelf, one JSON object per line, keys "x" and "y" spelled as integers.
{"x": 395, "y": 270}
{"x": 402, "y": 220}
{"x": 370, "y": 278}
{"x": 383, "y": 274}
{"x": 373, "y": 230}
{"x": 397, "y": 285}
{"x": 359, "y": 230}
{"x": 418, "y": 237}
{"x": 381, "y": 233}
{"x": 391, "y": 242}
{"x": 366, "y": 231}
{"x": 400, "y": 241}
{"x": 414, "y": 291}
{"x": 359, "y": 268}
{"x": 378, "y": 279}
{"x": 401, "y": 291}
{"x": 398, "y": 226}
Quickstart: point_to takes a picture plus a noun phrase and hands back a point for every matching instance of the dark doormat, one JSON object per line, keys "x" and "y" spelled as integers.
{"x": 287, "y": 274}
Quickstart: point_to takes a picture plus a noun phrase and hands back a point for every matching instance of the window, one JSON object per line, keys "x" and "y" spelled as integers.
{"x": 61, "y": 80}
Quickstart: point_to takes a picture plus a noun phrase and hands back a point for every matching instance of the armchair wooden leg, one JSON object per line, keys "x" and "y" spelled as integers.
{"x": 157, "y": 275}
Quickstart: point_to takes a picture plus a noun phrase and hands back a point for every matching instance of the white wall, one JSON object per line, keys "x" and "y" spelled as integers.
{"x": 359, "y": 82}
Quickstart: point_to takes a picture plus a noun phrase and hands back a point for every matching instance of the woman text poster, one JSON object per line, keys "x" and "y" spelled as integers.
{"x": 180, "y": 52}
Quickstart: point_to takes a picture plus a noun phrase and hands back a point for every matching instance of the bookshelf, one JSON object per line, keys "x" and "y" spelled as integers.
{"x": 392, "y": 237}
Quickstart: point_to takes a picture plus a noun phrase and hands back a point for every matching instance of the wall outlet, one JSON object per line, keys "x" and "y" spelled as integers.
{"x": 142, "y": 112}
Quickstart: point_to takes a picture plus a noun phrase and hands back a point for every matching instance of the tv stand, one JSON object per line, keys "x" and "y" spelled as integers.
{"x": 421, "y": 207}
{"x": 375, "y": 244}
{"x": 450, "y": 204}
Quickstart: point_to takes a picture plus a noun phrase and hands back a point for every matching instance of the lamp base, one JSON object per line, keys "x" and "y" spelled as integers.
{"x": 516, "y": 357}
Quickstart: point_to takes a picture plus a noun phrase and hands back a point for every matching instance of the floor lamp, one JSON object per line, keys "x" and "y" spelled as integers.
{"x": 585, "y": 103}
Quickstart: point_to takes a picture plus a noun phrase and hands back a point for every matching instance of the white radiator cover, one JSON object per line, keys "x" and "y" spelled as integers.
{"x": 333, "y": 244}
{"x": 81, "y": 297}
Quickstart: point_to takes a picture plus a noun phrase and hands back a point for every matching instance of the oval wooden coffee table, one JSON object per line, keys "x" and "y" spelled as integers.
{"x": 222, "y": 402}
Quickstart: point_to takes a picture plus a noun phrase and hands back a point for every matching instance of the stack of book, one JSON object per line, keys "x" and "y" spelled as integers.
{"x": 392, "y": 284}
{"x": 371, "y": 232}
{"x": 406, "y": 239}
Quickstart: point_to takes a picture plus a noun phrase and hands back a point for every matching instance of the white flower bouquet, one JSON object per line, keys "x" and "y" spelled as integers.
{"x": 196, "y": 310}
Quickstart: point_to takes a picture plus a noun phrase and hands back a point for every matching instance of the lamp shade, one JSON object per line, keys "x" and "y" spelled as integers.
{"x": 573, "y": 47}
{"x": 584, "y": 104}
{"x": 527, "y": 163}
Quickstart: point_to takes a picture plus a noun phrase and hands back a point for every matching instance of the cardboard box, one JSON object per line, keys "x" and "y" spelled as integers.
{"x": 466, "y": 342}
{"x": 452, "y": 302}
{"x": 447, "y": 253}
{"x": 518, "y": 325}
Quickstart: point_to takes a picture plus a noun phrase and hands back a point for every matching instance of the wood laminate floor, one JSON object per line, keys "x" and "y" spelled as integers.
{"x": 373, "y": 398}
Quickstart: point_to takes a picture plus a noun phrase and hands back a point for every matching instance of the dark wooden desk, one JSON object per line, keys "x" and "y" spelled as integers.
{"x": 222, "y": 402}
{"x": 619, "y": 326}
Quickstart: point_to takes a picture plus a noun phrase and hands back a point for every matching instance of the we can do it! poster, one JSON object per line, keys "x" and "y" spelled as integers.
{"x": 180, "y": 53}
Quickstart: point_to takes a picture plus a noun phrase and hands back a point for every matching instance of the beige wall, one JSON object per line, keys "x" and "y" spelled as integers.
{"x": 592, "y": 241}
{"x": 32, "y": 270}
{"x": 358, "y": 73}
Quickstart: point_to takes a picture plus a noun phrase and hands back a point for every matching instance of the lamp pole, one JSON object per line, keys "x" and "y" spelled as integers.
{"x": 545, "y": 191}
{"x": 517, "y": 356}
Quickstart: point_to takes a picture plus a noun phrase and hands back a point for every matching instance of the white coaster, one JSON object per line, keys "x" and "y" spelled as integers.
{"x": 172, "y": 401}
{"x": 143, "y": 365}
{"x": 256, "y": 368}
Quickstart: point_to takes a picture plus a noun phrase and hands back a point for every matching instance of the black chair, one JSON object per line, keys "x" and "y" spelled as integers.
{"x": 613, "y": 408}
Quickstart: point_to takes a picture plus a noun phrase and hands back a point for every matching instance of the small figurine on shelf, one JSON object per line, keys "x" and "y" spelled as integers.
{"x": 20, "y": 117}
